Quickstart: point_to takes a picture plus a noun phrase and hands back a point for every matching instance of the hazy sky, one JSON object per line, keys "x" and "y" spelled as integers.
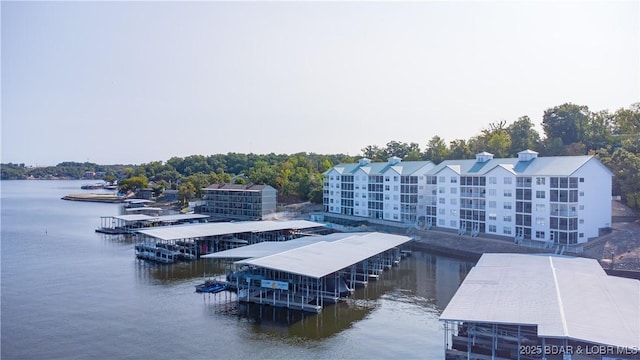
{"x": 134, "y": 82}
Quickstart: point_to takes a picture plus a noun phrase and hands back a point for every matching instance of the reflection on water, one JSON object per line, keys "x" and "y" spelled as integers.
{"x": 68, "y": 292}
{"x": 421, "y": 281}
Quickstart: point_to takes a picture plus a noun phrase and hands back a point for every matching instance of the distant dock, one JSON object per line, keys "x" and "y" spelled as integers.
{"x": 103, "y": 198}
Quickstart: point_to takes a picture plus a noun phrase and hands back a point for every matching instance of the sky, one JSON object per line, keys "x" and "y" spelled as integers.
{"x": 135, "y": 82}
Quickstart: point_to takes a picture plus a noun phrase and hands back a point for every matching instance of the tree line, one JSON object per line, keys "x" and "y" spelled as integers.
{"x": 568, "y": 129}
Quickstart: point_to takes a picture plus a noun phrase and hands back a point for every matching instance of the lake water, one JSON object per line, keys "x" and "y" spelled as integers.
{"x": 70, "y": 293}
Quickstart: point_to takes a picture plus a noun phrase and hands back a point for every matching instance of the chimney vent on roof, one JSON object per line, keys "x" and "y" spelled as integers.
{"x": 394, "y": 160}
{"x": 527, "y": 155}
{"x": 484, "y": 156}
{"x": 364, "y": 161}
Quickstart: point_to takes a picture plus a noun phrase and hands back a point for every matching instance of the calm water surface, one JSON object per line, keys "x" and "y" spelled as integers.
{"x": 68, "y": 292}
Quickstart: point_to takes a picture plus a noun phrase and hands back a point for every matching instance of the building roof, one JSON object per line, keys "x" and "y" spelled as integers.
{"x": 224, "y": 228}
{"x": 323, "y": 258}
{"x": 267, "y": 248}
{"x": 237, "y": 187}
{"x": 162, "y": 218}
{"x": 379, "y": 168}
{"x": 566, "y": 297}
{"x": 540, "y": 166}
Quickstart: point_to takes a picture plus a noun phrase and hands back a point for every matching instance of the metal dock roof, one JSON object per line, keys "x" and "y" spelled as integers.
{"x": 565, "y": 297}
{"x": 323, "y": 258}
{"x": 166, "y": 218}
{"x": 224, "y": 228}
{"x": 267, "y": 248}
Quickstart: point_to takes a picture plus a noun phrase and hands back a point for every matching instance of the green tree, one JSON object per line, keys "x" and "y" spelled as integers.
{"x": 626, "y": 167}
{"x": 436, "y": 150}
{"x": 459, "y": 149}
{"x": 110, "y": 178}
{"x": 626, "y": 122}
{"x": 565, "y": 122}
{"x": 399, "y": 149}
{"x": 523, "y": 136}
{"x": 133, "y": 183}
{"x": 186, "y": 192}
{"x": 373, "y": 152}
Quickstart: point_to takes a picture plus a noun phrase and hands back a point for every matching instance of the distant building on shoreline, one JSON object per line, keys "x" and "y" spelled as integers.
{"x": 556, "y": 200}
{"x": 238, "y": 201}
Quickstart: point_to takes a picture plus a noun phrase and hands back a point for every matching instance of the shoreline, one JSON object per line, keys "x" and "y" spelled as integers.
{"x": 471, "y": 248}
{"x": 101, "y": 198}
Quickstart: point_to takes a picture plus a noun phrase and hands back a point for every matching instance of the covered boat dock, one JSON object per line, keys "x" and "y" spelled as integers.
{"x": 131, "y": 223}
{"x": 193, "y": 241}
{"x": 526, "y": 306}
{"x": 305, "y": 274}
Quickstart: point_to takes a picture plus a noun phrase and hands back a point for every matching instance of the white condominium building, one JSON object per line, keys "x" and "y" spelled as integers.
{"x": 388, "y": 191}
{"x": 559, "y": 199}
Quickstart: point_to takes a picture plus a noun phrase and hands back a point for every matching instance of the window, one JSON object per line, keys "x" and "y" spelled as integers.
{"x": 581, "y": 221}
{"x": 506, "y": 218}
{"x": 441, "y": 211}
{"x": 506, "y": 230}
{"x": 453, "y": 212}
{"x": 331, "y": 200}
{"x": 386, "y": 178}
{"x": 395, "y": 216}
{"x": 581, "y": 179}
{"x": 508, "y": 180}
{"x": 395, "y": 178}
{"x": 440, "y": 190}
{"x": 540, "y": 181}
{"x": 540, "y": 195}
{"x": 581, "y": 235}
{"x": 454, "y": 223}
{"x": 507, "y": 205}
{"x": 493, "y": 216}
{"x": 395, "y": 187}
{"x": 581, "y": 193}
{"x": 493, "y": 192}
{"x": 540, "y": 221}
{"x": 441, "y": 179}
{"x": 440, "y": 200}
{"x": 492, "y": 180}
{"x": 454, "y": 180}
{"x": 453, "y": 201}
{"x": 581, "y": 207}
{"x": 440, "y": 222}
{"x": 386, "y": 188}
{"x": 395, "y": 197}
{"x": 492, "y": 204}
{"x": 541, "y": 207}
{"x": 454, "y": 190}
{"x": 507, "y": 193}
{"x": 539, "y": 234}
{"x": 492, "y": 228}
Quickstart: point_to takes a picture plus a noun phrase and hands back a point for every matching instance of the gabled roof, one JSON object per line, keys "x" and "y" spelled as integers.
{"x": 379, "y": 168}
{"x": 320, "y": 259}
{"x": 541, "y": 166}
{"x": 566, "y": 297}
